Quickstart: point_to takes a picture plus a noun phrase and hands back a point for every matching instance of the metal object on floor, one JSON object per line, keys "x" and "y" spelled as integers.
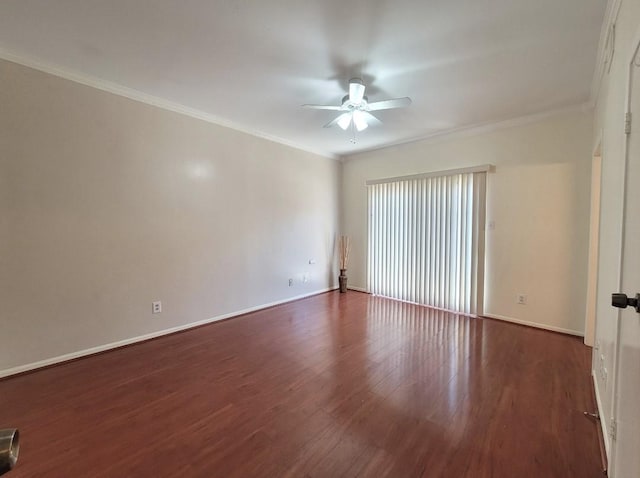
{"x": 603, "y": 455}
{"x": 9, "y": 448}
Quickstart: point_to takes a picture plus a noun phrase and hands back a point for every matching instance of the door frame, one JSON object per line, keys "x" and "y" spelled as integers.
{"x": 635, "y": 51}
{"x": 594, "y": 244}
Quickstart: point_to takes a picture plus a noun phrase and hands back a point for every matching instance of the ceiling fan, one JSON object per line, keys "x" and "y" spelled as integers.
{"x": 356, "y": 109}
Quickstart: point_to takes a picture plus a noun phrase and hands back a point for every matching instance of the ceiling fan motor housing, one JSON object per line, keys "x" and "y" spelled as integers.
{"x": 351, "y": 105}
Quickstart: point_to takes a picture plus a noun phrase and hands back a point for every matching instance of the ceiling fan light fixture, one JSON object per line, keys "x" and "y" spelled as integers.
{"x": 344, "y": 120}
{"x": 359, "y": 120}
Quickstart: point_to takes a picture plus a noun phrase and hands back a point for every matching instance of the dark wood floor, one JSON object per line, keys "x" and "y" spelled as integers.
{"x": 334, "y": 385}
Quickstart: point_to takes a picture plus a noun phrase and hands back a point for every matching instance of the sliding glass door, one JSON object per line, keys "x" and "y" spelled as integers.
{"x": 426, "y": 239}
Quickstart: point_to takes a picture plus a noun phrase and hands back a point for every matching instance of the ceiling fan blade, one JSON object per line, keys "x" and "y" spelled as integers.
{"x": 389, "y": 104}
{"x": 323, "y": 107}
{"x": 331, "y": 123}
{"x": 341, "y": 120}
{"x": 356, "y": 91}
{"x": 371, "y": 120}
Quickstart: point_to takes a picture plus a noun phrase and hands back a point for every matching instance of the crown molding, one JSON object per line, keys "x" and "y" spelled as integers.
{"x": 469, "y": 130}
{"x": 610, "y": 18}
{"x": 139, "y": 96}
{"x": 480, "y": 128}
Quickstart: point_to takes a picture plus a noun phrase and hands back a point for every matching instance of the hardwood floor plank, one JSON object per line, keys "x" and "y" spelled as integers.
{"x": 329, "y": 386}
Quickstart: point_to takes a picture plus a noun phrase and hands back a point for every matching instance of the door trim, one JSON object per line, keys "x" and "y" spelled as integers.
{"x": 594, "y": 244}
{"x": 635, "y": 51}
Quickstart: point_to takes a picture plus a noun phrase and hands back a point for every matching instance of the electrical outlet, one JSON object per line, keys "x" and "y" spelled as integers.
{"x": 156, "y": 307}
{"x": 312, "y": 261}
{"x": 305, "y": 278}
{"x": 521, "y": 299}
{"x": 290, "y": 282}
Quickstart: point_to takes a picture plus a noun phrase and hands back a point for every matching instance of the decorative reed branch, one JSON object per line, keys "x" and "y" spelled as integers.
{"x": 345, "y": 247}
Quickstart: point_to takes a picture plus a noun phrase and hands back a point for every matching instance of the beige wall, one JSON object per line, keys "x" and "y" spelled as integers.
{"x": 107, "y": 204}
{"x": 537, "y": 199}
{"x": 609, "y": 127}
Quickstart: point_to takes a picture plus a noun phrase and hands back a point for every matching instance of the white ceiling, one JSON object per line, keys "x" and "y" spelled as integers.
{"x": 252, "y": 63}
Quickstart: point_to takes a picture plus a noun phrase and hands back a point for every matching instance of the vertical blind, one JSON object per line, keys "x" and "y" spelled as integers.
{"x": 426, "y": 240}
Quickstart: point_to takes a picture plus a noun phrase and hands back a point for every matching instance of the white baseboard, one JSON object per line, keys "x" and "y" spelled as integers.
{"x": 535, "y": 324}
{"x": 604, "y": 421}
{"x": 141, "y": 338}
{"x": 358, "y": 289}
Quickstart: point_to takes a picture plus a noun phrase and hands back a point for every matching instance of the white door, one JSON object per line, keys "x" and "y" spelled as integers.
{"x": 626, "y": 443}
